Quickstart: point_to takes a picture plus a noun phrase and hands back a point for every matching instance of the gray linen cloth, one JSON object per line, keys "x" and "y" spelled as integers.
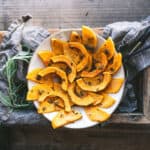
{"x": 132, "y": 39}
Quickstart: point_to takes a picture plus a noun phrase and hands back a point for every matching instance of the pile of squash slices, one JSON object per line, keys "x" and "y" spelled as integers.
{"x": 76, "y": 73}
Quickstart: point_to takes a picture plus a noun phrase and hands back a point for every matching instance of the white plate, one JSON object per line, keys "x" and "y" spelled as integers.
{"x": 36, "y": 63}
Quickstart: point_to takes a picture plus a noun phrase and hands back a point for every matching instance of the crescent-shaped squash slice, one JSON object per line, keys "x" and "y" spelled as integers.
{"x": 84, "y": 61}
{"x": 72, "y": 53}
{"x": 116, "y": 64}
{"x": 95, "y": 88}
{"x": 94, "y": 113}
{"x": 33, "y": 76}
{"x": 37, "y": 90}
{"x": 57, "y": 46}
{"x": 75, "y": 37}
{"x": 47, "y": 107}
{"x": 99, "y": 62}
{"x": 57, "y": 71}
{"x": 107, "y": 102}
{"x": 81, "y": 101}
{"x": 57, "y": 92}
{"x": 45, "y": 56}
{"x": 71, "y": 65}
{"x": 97, "y": 97}
{"x": 61, "y": 66}
{"x": 107, "y": 48}
{"x": 63, "y": 118}
{"x": 114, "y": 86}
{"x": 89, "y": 37}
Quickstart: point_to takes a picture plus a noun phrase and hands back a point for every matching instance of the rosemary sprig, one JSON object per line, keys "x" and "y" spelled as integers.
{"x": 16, "y": 97}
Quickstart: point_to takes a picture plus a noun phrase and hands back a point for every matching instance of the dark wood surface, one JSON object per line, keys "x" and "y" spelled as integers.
{"x": 66, "y": 14}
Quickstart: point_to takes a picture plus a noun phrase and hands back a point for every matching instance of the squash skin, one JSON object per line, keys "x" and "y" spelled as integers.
{"x": 71, "y": 64}
{"x": 83, "y": 50}
{"x": 89, "y": 38}
{"x": 63, "y": 118}
{"x": 75, "y": 37}
{"x": 116, "y": 64}
{"x": 45, "y": 56}
{"x": 59, "y": 72}
{"x": 80, "y": 101}
{"x": 95, "y": 88}
{"x": 94, "y": 113}
{"x": 57, "y": 46}
{"x": 114, "y": 86}
{"x": 108, "y": 48}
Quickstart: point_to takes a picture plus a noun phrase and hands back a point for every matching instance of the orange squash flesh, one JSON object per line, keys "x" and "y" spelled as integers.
{"x": 75, "y": 37}
{"x": 95, "y": 88}
{"x": 89, "y": 37}
{"x": 114, "y": 86}
{"x": 116, "y": 64}
{"x": 94, "y": 113}
{"x": 71, "y": 64}
{"x": 45, "y": 56}
{"x": 63, "y": 118}
{"x": 80, "y": 101}
{"x": 108, "y": 48}
{"x": 107, "y": 101}
{"x": 59, "y": 72}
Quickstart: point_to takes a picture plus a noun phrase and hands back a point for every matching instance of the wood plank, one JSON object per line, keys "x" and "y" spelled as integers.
{"x": 146, "y": 93}
{"x": 73, "y": 13}
{"x": 120, "y": 137}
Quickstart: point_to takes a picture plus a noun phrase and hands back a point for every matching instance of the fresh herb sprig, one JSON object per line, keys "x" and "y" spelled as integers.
{"x": 16, "y": 91}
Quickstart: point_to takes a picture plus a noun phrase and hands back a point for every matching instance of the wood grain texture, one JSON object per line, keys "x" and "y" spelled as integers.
{"x": 122, "y": 137}
{"x": 73, "y": 13}
{"x": 146, "y": 93}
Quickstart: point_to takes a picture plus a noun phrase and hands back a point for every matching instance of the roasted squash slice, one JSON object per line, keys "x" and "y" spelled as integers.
{"x": 98, "y": 98}
{"x": 61, "y": 95}
{"x": 90, "y": 63}
{"x": 45, "y": 56}
{"x": 99, "y": 63}
{"x": 63, "y": 118}
{"x": 83, "y": 63}
{"x": 71, "y": 65}
{"x": 47, "y": 107}
{"x": 116, "y": 64}
{"x": 95, "y": 88}
{"x": 81, "y": 101}
{"x": 107, "y": 101}
{"x": 108, "y": 48}
{"x": 57, "y": 46}
{"x": 75, "y": 37}
{"x": 61, "y": 66}
{"x": 37, "y": 90}
{"x": 57, "y": 71}
{"x": 94, "y": 113}
{"x": 74, "y": 54}
{"x": 114, "y": 86}
{"x": 89, "y": 37}
{"x": 33, "y": 76}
